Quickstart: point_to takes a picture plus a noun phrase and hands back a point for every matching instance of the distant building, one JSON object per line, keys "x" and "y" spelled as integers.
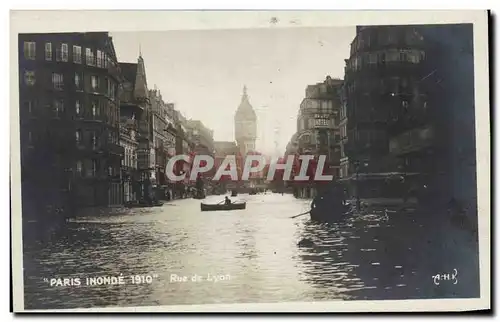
{"x": 201, "y": 136}
{"x": 171, "y": 131}
{"x": 223, "y": 149}
{"x": 164, "y": 140}
{"x": 69, "y": 115}
{"x": 183, "y": 146}
{"x": 318, "y": 131}
{"x": 317, "y": 122}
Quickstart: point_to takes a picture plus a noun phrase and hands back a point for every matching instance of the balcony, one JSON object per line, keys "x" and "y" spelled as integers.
{"x": 412, "y": 141}
{"x": 114, "y": 149}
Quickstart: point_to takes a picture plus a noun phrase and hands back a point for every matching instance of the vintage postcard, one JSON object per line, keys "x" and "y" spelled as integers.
{"x": 250, "y": 161}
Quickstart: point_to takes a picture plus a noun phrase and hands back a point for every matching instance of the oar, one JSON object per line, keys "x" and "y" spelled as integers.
{"x": 305, "y": 213}
{"x": 221, "y": 202}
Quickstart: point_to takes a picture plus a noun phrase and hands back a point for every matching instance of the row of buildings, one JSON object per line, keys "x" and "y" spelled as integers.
{"x": 402, "y": 119}
{"x": 92, "y": 132}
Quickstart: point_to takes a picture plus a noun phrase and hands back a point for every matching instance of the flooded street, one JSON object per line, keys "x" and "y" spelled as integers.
{"x": 247, "y": 255}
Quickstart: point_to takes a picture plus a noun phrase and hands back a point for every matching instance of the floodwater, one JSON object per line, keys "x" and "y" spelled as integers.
{"x": 176, "y": 254}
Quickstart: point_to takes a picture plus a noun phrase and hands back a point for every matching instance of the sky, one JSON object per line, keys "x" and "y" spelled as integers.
{"x": 203, "y": 73}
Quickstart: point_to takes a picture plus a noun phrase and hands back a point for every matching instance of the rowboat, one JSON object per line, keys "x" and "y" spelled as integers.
{"x": 216, "y": 207}
{"x": 139, "y": 204}
{"x": 328, "y": 215}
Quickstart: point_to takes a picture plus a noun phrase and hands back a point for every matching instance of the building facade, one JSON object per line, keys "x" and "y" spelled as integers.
{"x": 69, "y": 114}
{"x": 441, "y": 144}
{"x": 128, "y": 140}
{"x": 382, "y": 79}
{"x": 135, "y": 104}
{"x": 318, "y": 130}
{"x": 345, "y": 169}
{"x": 318, "y": 120}
{"x": 183, "y": 146}
{"x": 223, "y": 149}
{"x": 164, "y": 142}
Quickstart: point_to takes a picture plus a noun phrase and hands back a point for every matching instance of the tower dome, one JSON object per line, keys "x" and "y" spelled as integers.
{"x": 245, "y": 110}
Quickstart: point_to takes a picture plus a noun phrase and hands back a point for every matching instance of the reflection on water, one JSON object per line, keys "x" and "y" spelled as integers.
{"x": 255, "y": 250}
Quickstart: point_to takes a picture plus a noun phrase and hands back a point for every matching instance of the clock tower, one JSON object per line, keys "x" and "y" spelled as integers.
{"x": 245, "y": 125}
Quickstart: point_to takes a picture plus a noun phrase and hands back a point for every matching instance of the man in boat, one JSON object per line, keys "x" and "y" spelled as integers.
{"x": 227, "y": 201}
{"x": 330, "y": 200}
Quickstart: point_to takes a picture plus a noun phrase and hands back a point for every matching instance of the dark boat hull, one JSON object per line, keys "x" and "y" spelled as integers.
{"x": 234, "y": 206}
{"x": 328, "y": 215}
{"x": 143, "y": 205}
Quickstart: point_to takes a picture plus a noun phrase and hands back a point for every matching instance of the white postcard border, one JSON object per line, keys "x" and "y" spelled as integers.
{"x": 113, "y": 21}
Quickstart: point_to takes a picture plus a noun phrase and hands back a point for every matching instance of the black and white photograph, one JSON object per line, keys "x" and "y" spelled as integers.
{"x": 268, "y": 160}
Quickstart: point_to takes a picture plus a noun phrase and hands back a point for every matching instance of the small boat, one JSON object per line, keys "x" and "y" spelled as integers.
{"x": 217, "y": 207}
{"x": 142, "y": 204}
{"x": 328, "y": 216}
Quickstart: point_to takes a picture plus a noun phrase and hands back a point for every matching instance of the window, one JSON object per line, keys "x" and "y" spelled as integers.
{"x": 77, "y": 54}
{"x": 78, "y": 136}
{"x": 79, "y": 167}
{"x": 372, "y": 58}
{"x": 94, "y": 83}
{"x": 93, "y": 139}
{"x": 48, "y": 51}
{"x": 111, "y": 89}
{"x": 381, "y": 57}
{"x": 89, "y": 57}
{"x": 30, "y": 50}
{"x": 107, "y": 61}
{"x": 58, "y": 107}
{"x": 78, "y": 81}
{"x": 391, "y": 39}
{"x": 29, "y": 77}
{"x": 57, "y": 81}
{"x": 64, "y": 52}
{"x": 392, "y": 56}
{"x": 28, "y": 107}
{"x": 30, "y": 139}
{"x": 100, "y": 59}
{"x": 403, "y": 56}
{"x": 94, "y": 167}
{"x": 77, "y": 107}
{"x": 95, "y": 110}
